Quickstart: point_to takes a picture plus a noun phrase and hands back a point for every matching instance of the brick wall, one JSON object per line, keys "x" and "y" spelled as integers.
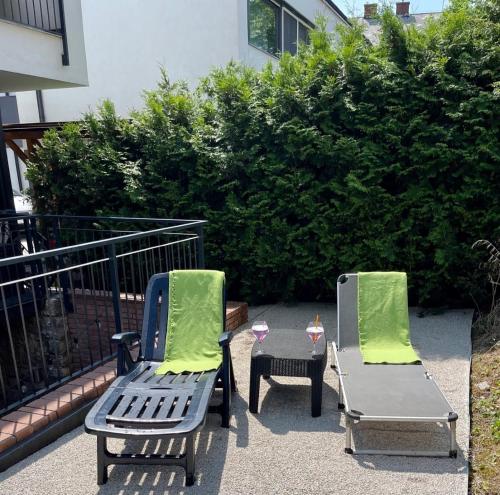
{"x": 92, "y": 323}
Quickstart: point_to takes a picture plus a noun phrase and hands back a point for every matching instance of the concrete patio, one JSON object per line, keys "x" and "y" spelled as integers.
{"x": 283, "y": 449}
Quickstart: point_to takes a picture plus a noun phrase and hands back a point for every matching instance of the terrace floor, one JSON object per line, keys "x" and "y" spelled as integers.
{"x": 283, "y": 449}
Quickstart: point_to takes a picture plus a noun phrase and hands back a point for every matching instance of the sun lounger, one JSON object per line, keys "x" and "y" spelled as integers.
{"x": 382, "y": 392}
{"x": 143, "y": 404}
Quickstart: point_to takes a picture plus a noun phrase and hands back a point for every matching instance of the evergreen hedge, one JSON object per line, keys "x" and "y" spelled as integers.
{"x": 346, "y": 157}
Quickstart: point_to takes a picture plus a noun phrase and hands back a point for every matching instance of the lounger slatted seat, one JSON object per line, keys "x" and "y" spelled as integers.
{"x": 143, "y": 404}
{"x": 385, "y": 392}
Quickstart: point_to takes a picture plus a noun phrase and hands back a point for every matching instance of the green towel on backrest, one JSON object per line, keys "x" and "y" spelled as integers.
{"x": 195, "y": 321}
{"x": 384, "y": 327}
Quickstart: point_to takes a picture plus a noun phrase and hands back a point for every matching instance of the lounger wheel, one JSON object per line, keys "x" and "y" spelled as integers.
{"x": 190, "y": 480}
{"x": 341, "y": 406}
{"x": 348, "y": 451}
{"x": 453, "y": 454}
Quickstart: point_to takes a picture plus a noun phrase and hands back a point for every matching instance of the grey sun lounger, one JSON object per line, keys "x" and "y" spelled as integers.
{"x": 382, "y": 392}
{"x": 142, "y": 405}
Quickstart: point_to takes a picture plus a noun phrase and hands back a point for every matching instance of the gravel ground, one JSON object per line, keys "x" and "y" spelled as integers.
{"x": 283, "y": 449}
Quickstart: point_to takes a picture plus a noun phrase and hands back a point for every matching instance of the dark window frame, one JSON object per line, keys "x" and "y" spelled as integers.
{"x": 282, "y": 7}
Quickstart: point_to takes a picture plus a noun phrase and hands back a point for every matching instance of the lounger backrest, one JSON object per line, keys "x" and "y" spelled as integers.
{"x": 347, "y": 311}
{"x": 154, "y": 326}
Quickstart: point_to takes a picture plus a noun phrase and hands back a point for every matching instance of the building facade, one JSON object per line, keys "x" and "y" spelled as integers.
{"x": 129, "y": 41}
{"x": 41, "y": 46}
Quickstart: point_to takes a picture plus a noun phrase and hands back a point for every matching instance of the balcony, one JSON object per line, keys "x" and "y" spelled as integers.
{"x": 47, "y": 15}
{"x": 41, "y": 45}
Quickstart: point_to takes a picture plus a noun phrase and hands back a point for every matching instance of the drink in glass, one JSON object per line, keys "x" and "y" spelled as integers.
{"x": 260, "y": 331}
{"x": 315, "y": 330}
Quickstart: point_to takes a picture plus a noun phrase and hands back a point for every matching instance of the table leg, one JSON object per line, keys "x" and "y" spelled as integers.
{"x": 316, "y": 395}
{"x": 254, "y": 390}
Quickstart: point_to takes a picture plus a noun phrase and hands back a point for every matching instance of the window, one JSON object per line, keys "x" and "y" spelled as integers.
{"x": 263, "y": 25}
{"x": 303, "y": 33}
{"x": 289, "y": 33}
{"x": 294, "y": 32}
{"x": 274, "y": 28}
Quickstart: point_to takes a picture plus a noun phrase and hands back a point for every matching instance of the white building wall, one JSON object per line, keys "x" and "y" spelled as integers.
{"x": 128, "y": 41}
{"x": 27, "y": 107}
{"x": 311, "y": 9}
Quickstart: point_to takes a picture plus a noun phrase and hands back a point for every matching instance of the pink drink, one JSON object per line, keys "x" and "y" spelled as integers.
{"x": 314, "y": 335}
{"x": 315, "y": 331}
{"x": 260, "y": 332}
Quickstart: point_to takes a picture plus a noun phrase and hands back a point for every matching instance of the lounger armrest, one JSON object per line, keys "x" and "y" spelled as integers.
{"x": 124, "y": 361}
{"x": 125, "y": 338}
{"x": 225, "y": 338}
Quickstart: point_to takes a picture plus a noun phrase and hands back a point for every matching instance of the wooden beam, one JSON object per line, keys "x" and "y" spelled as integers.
{"x": 23, "y": 134}
{"x": 17, "y": 150}
{"x": 32, "y": 145}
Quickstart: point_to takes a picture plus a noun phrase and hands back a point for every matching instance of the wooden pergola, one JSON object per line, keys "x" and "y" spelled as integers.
{"x": 32, "y": 133}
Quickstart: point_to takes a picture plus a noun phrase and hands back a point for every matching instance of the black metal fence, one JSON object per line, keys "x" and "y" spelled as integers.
{"x": 68, "y": 283}
{"x": 41, "y": 14}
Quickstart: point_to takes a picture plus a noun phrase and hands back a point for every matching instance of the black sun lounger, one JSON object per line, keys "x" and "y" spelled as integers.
{"x": 143, "y": 405}
{"x": 382, "y": 392}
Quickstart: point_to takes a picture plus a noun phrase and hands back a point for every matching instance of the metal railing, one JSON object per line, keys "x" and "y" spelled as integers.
{"x": 47, "y": 15}
{"x": 67, "y": 284}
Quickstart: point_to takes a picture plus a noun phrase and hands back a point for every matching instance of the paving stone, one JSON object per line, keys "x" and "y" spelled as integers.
{"x": 6, "y": 441}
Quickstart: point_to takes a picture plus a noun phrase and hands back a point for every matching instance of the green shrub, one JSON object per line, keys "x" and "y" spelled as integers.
{"x": 345, "y": 157}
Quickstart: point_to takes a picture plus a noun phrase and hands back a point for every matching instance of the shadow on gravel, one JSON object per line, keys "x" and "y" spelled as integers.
{"x": 211, "y": 451}
{"x": 287, "y": 407}
{"x": 44, "y": 452}
{"x": 406, "y": 436}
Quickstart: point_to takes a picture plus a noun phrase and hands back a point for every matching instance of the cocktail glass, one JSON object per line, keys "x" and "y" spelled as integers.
{"x": 260, "y": 331}
{"x": 315, "y": 330}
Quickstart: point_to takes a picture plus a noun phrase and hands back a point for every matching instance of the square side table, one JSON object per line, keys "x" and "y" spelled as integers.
{"x": 288, "y": 352}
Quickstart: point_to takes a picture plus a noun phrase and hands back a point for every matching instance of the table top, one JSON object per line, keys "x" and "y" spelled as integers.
{"x": 285, "y": 343}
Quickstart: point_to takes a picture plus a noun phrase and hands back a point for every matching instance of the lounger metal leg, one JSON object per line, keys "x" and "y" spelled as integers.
{"x": 348, "y": 435}
{"x": 190, "y": 466}
{"x": 233, "y": 380}
{"x": 102, "y": 467}
{"x": 341, "y": 398}
{"x": 226, "y": 395}
{"x": 453, "y": 439}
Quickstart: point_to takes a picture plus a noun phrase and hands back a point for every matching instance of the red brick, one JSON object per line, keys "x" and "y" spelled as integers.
{"x": 52, "y": 404}
{"x": 19, "y": 430}
{"x": 70, "y": 390}
{"x": 82, "y": 386}
{"x": 6, "y": 441}
{"x": 51, "y": 415}
{"x": 32, "y": 419}
{"x": 74, "y": 399}
{"x": 96, "y": 376}
{"x": 102, "y": 387}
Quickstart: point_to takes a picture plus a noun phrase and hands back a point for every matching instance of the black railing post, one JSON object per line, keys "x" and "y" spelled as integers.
{"x": 6, "y": 194}
{"x": 115, "y": 286}
{"x": 65, "y": 55}
{"x": 200, "y": 252}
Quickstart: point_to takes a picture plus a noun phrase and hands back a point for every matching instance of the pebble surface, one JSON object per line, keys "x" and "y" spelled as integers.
{"x": 283, "y": 449}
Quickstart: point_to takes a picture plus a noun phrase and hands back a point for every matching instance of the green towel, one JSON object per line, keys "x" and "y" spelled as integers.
{"x": 384, "y": 327}
{"x": 195, "y": 321}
